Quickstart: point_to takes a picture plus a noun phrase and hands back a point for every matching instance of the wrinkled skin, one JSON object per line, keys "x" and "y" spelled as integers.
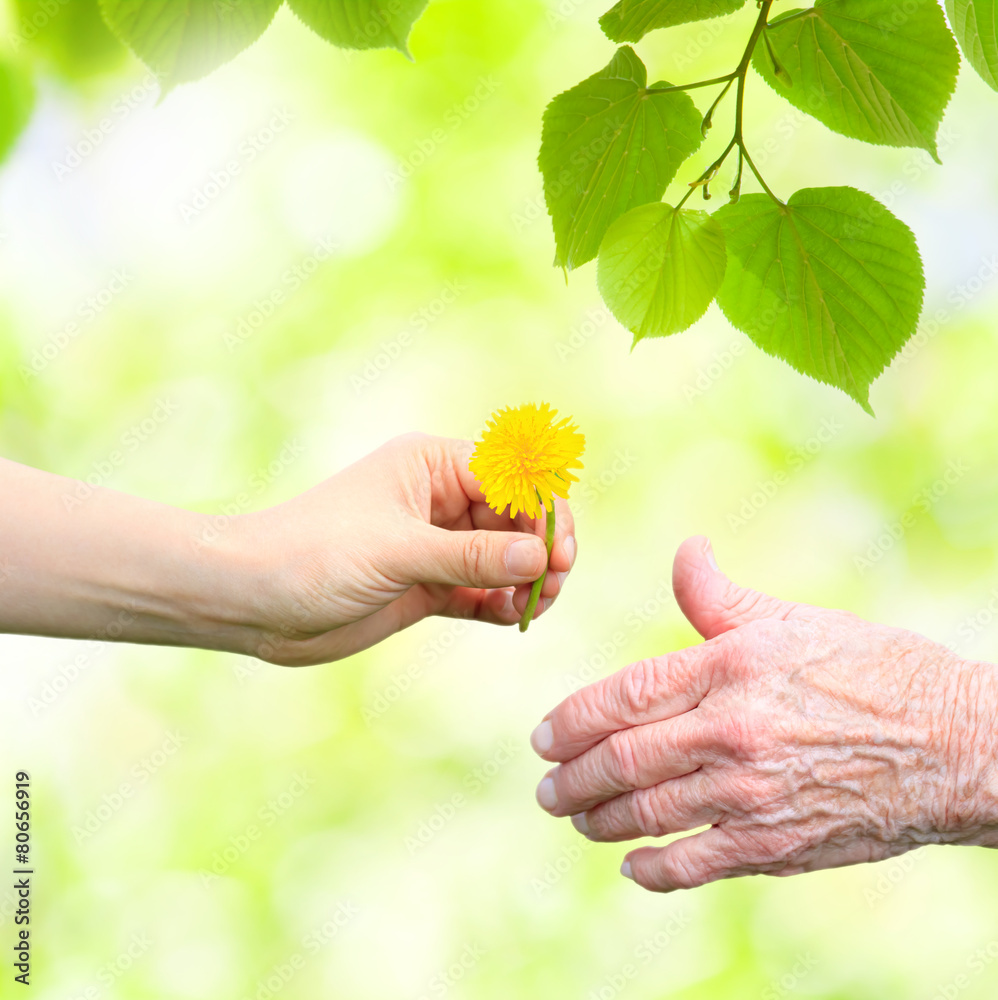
{"x": 804, "y": 738}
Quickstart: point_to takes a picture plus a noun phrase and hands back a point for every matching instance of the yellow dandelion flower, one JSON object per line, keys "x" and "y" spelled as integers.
{"x": 524, "y": 457}
{"x": 522, "y": 463}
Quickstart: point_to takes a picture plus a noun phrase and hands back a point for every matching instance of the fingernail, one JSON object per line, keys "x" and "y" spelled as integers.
{"x": 708, "y": 551}
{"x": 561, "y": 580}
{"x": 521, "y": 559}
{"x": 547, "y": 795}
{"x": 570, "y": 550}
{"x": 580, "y": 824}
{"x": 625, "y": 870}
{"x": 542, "y": 738}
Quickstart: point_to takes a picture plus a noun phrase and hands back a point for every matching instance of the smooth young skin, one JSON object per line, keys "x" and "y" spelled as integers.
{"x": 804, "y": 738}
{"x": 402, "y": 534}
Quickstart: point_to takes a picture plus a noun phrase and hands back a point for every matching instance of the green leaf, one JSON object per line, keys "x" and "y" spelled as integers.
{"x": 607, "y": 145}
{"x": 975, "y": 24}
{"x": 878, "y": 72}
{"x": 631, "y": 20}
{"x": 830, "y": 282}
{"x": 70, "y": 35}
{"x": 660, "y": 267}
{"x": 361, "y": 24}
{"x": 17, "y": 99}
{"x": 183, "y": 40}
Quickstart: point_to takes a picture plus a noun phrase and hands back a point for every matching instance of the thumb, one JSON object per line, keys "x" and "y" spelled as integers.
{"x": 476, "y": 558}
{"x": 711, "y": 602}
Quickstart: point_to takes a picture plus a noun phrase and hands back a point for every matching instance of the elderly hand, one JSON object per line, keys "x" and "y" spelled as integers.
{"x": 803, "y": 738}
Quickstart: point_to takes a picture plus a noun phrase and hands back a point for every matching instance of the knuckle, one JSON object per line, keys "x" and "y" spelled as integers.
{"x": 643, "y": 814}
{"x": 639, "y": 687}
{"x": 747, "y": 797}
{"x": 590, "y": 704}
{"x": 683, "y": 871}
{"x": 759, "y": 850}
{"x": 476, "y": 556}
{"x": 626, "y": 758}
{"x": 725, "y": 665}
{"x": 572, "y": 780}
{"x": 747, "y": 733}
{"x": 756, "y": 630}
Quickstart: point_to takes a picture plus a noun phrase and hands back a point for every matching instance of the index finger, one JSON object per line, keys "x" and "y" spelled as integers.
{"x": 650, "y": 690}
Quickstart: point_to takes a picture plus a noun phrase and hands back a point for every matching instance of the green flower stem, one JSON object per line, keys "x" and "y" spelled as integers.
{"x": 535, "y": 590}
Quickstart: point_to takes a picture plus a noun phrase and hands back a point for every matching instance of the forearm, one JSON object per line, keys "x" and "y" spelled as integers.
{"x": 113, "y": 566}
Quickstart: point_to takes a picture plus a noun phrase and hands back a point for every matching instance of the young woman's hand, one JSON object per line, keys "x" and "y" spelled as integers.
{"x": 402, "y": 534}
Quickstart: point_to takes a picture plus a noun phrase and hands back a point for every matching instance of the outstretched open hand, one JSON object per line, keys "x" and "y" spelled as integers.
{"x": 802, "y": 738}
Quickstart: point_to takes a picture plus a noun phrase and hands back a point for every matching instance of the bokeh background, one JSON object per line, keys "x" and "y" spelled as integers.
{"x": 207, "y": 826}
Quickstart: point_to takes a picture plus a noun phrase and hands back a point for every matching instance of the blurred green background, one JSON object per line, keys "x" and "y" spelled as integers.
{"x": 276, "y": 269}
